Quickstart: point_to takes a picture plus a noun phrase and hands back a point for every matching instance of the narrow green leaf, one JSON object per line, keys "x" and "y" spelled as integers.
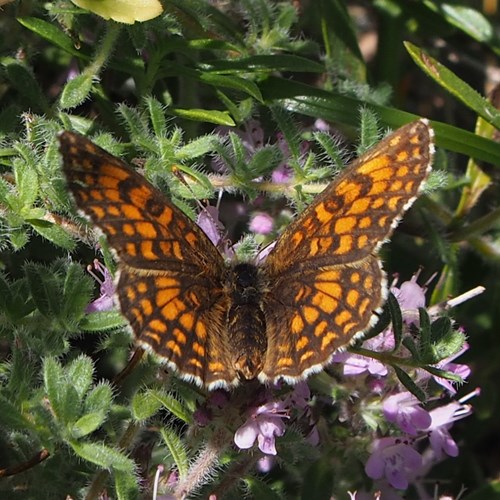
{"x": 469, "y": 20}
{"x": 76, "y": 91}
{"x": 205, "y": 115}
{"x": 53, "y": 233}
{"x": 144, "y": 405}
{"x": 126, "y": 485}
{"x": 43, "y": 285}
{"x": 103, "y": 456}
{"x": 368, "y": 131}
{"x": 264, "y": 161}
{"x": 437, "y": 372}
{"x": 77, "y": 292}
{"x": 99, "y": 399}
{"x": 80, "y": 372}
{"x": 409, "y": 384}
{"x": 232, "y": 82}
{"x": 331, "y": 106}
{"x": 268, "y": 63}
{"x": 396, "y": 320}
{"x": 177, "y": 450}
{"x": 454, "y": 85}
{"x": 173, "y": 405}
{"x": 25, "y": 83}
{"x": 157, "y": 116}
{"x": 26, "y": 182}
{"x": 87, "y": 424}
{"x": 51, "y": 33}
{"x": 102, "y": 321}
{"x": 54, "y": 382}
{"x": 197, "y": 147}
{"x": 425, "y": 328}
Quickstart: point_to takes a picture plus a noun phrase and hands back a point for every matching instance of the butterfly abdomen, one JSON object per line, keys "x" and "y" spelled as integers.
{"x": 246, "y": 322}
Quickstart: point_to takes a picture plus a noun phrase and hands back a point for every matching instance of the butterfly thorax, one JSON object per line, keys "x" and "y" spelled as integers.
{"x": 246, "y": 322}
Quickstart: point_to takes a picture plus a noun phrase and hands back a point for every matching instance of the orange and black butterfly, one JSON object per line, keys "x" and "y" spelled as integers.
{"x": 217, "y": 323}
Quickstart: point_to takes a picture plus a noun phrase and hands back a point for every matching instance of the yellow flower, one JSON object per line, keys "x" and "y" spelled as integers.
{"x": 123, "y": 11}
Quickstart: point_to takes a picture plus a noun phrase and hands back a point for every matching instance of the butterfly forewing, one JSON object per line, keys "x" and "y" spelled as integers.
{"x": 170, "y": 284}
{"x": 360, "y": 208}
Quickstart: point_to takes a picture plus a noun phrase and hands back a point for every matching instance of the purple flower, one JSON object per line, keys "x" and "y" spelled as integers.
{"x": 410, "y": 296}
{"x": 282, "y": 174}
{"x": 106, "y": 300}
{"x": 265, "y": 464}
{"x": 263, "y": 425}
{"x": 261, "y": 223}
{"x": 208, "y": 220}
{"x": 356, "y": 364}
{"x": 394, "y": 459}
{"x": 442, "y": 419}
{"x": 402, "y": 409}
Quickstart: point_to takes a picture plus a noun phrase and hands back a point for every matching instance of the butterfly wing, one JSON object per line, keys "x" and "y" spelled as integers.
{"x": 170, "y": 283}
{"x": 326, "y": 282}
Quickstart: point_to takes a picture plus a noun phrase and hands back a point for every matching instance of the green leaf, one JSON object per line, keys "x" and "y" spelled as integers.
{"x": 441, "y": 328}
{"x": 177, "y": 450}
{"x": 369, "y": 131}
{"x": 87, "y": 424}
{"x": 264, "y": 161}
{"x": 437, "y": 372}
{"x": 77, "y": 292}
{"x": 23, "y": 81}
{"x": 103, "y": 456}
{"x": 144, "y": 405}
{"x": 396, "y": 319}
{"x": 205, "y": 115}
{"x": 51, "y": 33}
{"x": 173, "y": 405}
{"x": 232, "y": 82}
{"x": 80, "y": 372}
{"x": 126, "y": 485}
{"x": 63, "y": 397}
{"x": 454, "y": 85}
{"x": 102, "y": 321}
{"x": 196, "y": 148}
{"x": 43, "y": 287}
{"x": 409, "y": 384}
{"x": 99, "y": 399}
{"x": 264, "y": 62}
{"x": 26, "y": 180}
{"x": 157, "y": 116}
{"x": 331, "y": 106}
{"x": 469, "y": 20}
{"x": 76, "y": 91}
{"x": 53, "y": 233}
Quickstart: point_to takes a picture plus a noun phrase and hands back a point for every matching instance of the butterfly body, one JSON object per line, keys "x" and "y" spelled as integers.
{"x": 246, "y": 321}
{"x": 215, "y": 324}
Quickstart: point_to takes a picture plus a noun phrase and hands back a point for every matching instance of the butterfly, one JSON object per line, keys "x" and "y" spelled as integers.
{"x": 218, "y": 323}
